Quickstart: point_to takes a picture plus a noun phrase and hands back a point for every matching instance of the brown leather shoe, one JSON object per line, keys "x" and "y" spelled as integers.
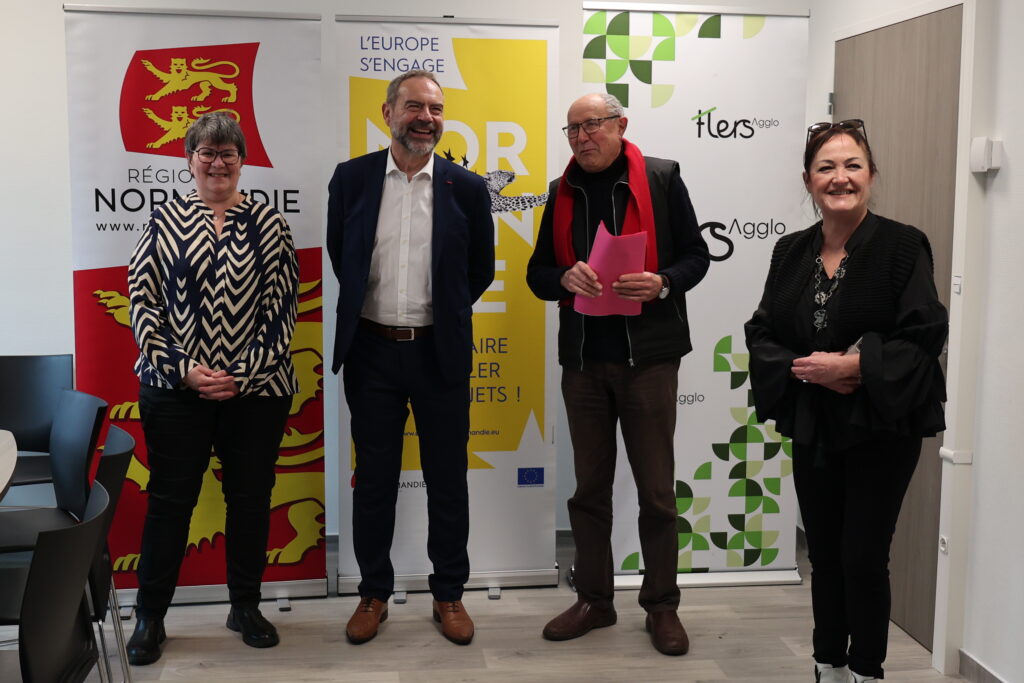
{"x": 667, "y": 633}
{"x": 455, "y": 623}
{"x": 369, "y": 615}
{"x": 579, "y": 620}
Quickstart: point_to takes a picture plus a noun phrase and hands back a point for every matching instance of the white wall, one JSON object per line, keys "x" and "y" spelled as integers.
{"x": 994, "y": 619}
{"x": 35, "y": 257}
{"x": 35, "y": 251}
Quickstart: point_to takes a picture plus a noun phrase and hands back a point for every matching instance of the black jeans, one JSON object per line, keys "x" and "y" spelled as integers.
{"x": 181, "y": 429}
{"x": 383, "y": 378}
{"x": 643, "y": 401}
{"x": 850, "y": 504}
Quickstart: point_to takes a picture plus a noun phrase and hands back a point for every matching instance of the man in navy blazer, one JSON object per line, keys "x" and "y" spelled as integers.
{"x": 411, "y": 241}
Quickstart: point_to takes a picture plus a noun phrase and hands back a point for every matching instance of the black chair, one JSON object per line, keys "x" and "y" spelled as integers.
{"x": 46, "y": 600}
{"x": 29, "y": 389}
{"x": 110, "y": 473}
{"x": 114, "y": 462}
{"x": 36, "y": 468}
{"x": 73, "y": 436}
{"x": 32, "y": 468}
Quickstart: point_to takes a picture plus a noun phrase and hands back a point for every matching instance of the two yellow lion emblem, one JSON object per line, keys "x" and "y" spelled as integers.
{"x": 181, "y": 78}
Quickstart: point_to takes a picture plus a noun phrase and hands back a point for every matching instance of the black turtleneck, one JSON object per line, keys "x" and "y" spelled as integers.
{"x": 604, "y": 337}
{"x": 598, "y": 187}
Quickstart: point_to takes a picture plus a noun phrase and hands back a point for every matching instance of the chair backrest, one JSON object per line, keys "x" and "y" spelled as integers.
{"x": 55, "y": 638}
{"x": 117, "y": 455}
{"x": 29, "y": 389}
{"x": 76, "y": 427}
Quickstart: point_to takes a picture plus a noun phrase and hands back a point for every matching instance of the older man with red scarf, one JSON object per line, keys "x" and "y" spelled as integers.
{"x": 620, "y": 368}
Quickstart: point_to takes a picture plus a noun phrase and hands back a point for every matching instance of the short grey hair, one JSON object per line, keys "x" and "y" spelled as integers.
{"x": 215, "y": 128}
{"x": 397, "y": 82}
{"x": 612, "y": 103}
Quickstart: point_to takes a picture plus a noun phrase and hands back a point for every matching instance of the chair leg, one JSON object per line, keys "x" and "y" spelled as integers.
{"x": 103, "y": 666}
{"x": 102, "y": 663}
{"x": 115, "y": 619}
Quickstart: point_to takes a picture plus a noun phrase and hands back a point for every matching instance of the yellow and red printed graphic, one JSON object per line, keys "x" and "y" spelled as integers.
{"x": 492, "y": 130}
{"x": 165, "y": 90}
{"x": 105, "y": 352}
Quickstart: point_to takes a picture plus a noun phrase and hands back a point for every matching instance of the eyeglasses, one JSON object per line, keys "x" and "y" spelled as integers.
{"x": 848, "y": 124}
{"x": 208, "y": 155}
{"x": 590, "y": 126}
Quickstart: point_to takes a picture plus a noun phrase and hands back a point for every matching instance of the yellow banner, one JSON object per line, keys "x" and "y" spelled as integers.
{"x": 495, "y": 130}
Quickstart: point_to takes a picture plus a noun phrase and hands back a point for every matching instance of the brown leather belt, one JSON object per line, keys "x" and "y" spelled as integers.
{"x": 395, "y": 333}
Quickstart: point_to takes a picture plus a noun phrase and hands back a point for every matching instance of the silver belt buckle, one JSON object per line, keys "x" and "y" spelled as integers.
{"x": 411, "y": 331}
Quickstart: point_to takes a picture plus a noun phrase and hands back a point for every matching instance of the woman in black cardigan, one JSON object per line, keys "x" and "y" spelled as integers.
{"x": 844, "y": 350}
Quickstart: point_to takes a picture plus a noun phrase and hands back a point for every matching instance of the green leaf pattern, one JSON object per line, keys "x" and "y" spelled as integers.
{"x": 623, "y": 50}
{"x": 757, "y": 459}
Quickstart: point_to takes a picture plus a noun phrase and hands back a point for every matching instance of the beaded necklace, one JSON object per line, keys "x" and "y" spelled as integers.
{"x": 822, "y": 296}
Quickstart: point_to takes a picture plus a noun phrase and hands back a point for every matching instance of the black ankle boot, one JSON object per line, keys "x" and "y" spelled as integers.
{"x": 144, "y": 645}
{"x": 256, "y": 630}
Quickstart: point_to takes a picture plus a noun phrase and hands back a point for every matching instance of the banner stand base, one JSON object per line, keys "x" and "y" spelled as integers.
{"x": 773, "y": 577}
{"x": 523, "y": 578}
{"x": 271, "y": 590}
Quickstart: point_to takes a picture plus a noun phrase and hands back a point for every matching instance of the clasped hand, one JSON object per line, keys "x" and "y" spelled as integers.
{"x": 837, "y": 371}
{"x": 581, "y": 279}
{"x": 215, "y": 386}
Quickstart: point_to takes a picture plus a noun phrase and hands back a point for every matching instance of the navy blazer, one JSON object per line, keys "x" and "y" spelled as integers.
{"x": 462, "y": 259}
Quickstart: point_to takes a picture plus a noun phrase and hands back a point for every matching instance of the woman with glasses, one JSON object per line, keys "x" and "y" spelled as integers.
{"x": 212, "y": 284}
{"x": 844, "y": 351}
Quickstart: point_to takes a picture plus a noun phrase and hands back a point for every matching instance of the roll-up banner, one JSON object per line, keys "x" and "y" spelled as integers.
{"x": 131, "y": 99}
{"x": 499, "y": 87}
{"x": 724, "y": 95}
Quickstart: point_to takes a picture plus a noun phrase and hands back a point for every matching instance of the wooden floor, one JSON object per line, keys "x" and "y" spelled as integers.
{"x": 736, "y": 634}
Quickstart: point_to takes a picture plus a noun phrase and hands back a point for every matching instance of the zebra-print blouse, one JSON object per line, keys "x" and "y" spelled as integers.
{"x": 226, "y": 302}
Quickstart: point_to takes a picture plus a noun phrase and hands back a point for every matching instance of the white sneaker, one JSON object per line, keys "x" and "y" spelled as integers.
{"x": 826, "y": 673}
{"x": 857, "y": 678}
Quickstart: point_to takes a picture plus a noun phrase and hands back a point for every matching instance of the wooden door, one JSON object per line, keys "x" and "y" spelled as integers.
{"x": 903, "y": 80}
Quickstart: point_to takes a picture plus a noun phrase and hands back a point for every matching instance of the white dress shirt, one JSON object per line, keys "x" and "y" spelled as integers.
{"x": 398, "y": 292}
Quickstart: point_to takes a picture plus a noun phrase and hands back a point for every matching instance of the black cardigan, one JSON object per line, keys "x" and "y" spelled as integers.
{"x": 888, "y": 300}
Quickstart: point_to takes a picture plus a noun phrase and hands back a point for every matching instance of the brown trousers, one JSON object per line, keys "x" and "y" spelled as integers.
{"x": 643, "y": 401}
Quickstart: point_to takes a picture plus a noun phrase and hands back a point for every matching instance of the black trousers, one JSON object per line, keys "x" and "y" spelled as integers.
{"x": 383, "y": 378}
{"x": 181, "y": 429}
{"x": 643, "y": 400}
{"x": 850, "y": 502}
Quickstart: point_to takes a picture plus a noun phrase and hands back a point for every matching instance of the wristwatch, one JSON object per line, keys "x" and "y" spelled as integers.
{"x": 664, "y": 286}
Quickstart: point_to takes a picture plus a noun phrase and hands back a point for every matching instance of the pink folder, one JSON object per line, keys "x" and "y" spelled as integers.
{"x": 612, "y": 256}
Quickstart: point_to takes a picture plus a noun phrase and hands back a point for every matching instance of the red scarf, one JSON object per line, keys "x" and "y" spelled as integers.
{"x": 639, "y": 210}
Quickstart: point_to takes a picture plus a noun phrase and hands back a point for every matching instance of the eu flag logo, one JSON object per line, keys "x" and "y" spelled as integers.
{"x": 531, "y": 476}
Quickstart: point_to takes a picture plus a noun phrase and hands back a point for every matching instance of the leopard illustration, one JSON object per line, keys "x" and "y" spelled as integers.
{"x": 496, "y": 182}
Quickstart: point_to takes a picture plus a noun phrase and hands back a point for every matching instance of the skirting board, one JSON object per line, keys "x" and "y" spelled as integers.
{"x": 271, "y": 590}
{"x": 522, "y": 578}
{"x": 974, "y": 671}
{"x": 774, "y": 577}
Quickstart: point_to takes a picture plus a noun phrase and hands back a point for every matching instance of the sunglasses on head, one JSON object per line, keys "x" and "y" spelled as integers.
{"x": 848, "y": 124}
